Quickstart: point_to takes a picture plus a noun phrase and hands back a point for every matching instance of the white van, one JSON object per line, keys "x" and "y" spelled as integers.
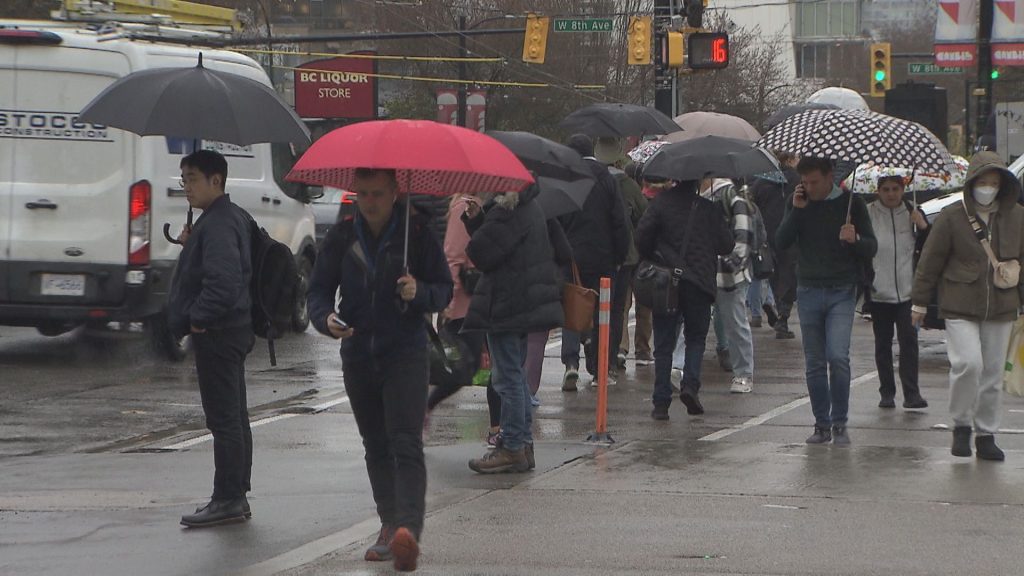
{"x": 82, "y": 206}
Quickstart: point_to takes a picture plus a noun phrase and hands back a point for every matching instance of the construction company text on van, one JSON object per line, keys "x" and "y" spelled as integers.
{"x": 37, "y": 124}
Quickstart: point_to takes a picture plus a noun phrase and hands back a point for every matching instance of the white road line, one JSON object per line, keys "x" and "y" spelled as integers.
{"x": 313, "y": 550}
{"x": 255, "y": 423}
{"x": 775, "y": 412}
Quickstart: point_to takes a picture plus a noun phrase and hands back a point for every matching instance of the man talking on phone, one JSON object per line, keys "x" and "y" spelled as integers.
{"x": 380, "y": 319}
{"x": 832, "y": 229}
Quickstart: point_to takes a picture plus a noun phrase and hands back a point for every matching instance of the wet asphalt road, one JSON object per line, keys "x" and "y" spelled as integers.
{"x": 102, "y": 448}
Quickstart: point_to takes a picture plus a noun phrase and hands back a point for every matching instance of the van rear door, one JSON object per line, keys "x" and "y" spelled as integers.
{"x": 68, "y": 203}
{"x": 6, "y": 166}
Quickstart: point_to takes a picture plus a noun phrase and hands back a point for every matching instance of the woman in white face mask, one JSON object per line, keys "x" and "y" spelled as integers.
{"x": 972, "y": 259}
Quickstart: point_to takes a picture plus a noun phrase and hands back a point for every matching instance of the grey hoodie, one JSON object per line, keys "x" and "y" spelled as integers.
{"x": 894, "y": 262}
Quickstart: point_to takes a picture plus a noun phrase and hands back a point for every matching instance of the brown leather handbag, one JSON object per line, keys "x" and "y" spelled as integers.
{"x": 578, "y": 302}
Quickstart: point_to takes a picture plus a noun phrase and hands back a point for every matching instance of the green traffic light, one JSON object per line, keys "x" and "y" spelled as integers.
{"x": 995, "y": 74}
{"x": 880, "y": 76}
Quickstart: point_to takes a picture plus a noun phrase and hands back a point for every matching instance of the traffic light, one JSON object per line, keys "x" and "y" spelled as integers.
{"x": 694, "y": 10}
{"x": 995, "y": 74}
{"x": 535, "y": 42}
{"x": 675, "y": 54}
{"x": 707, "y": 50}
{"x": 638, "y": 48}
{"x": 881, "y": 68}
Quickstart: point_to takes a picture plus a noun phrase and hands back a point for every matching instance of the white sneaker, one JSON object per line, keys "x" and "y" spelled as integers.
{"x": 611, "y": 380}
{"x": 676, "y": 379}
{"x": 742, "y": 385}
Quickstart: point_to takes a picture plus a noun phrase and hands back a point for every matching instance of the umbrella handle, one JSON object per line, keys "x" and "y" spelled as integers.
{"x": 167, "y": 234}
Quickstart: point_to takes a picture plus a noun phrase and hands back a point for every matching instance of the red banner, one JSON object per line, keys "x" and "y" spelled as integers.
{"x": 957, "y": 55}
{"x": 956, "y": 33}
{"x": 337, "y": 88}
{"x": 1008, "y": 33}
{"x": 476, "y": 107}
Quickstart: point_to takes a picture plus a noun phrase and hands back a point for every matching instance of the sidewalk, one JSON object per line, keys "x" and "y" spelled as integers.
{"x": 750, "y": 500}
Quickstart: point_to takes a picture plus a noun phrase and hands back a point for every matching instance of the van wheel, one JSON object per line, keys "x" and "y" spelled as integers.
{"x": 300, "y": 316}
{"x": 163, "y": 343}
{"x": 51, "y": 330}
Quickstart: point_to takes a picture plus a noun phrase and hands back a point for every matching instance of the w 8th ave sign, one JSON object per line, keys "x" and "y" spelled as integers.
{"x": 337, "y": 88}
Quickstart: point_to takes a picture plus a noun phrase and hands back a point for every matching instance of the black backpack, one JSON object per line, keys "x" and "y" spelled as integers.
{"x": 275, "y": 280}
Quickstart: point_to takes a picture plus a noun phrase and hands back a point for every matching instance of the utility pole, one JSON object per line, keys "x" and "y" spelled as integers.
{"x": 664, "y": 84}
{"x": 461, "y": 94}
{"x": 984, "y": 108}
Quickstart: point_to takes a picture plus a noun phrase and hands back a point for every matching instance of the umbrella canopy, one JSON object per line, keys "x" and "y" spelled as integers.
{"x": 643, "y": 152}
{"x": 613, "y": 120}
{"x": 793, "y": 109}
{"x": 427, "y": 157}
{"x": 695, "y": 124}
{"x": 560, "y": 197}
{"x": 543, "y": 157}
{"x": 866, "y": 181}
{"x": 196, "y": 103}
{"x": 710, "y": 157}
{"x": 843, "y": 98}
{"x": 860, "y": 137}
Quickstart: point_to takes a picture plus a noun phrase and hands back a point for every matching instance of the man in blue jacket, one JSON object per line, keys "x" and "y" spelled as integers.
{"x": 380, "y": 320}
{"x": 210, "y": 300}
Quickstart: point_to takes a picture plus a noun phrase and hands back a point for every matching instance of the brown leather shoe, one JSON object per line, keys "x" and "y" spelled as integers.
{"x": 405, "y": 549}
{"x": 500, "y": 460}
{"x": 381, "y": 549}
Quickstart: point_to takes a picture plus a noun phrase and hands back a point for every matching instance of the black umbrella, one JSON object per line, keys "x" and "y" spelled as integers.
{"x": 858, "y": 136}
{"x": 543, "y": 157}
{"x": 196, "y": 103}
{"x": 612, "y": 120}
{"x": 710, "y": 157}
{"x": 794, "y": 109}
{"x": 559, "y": 197}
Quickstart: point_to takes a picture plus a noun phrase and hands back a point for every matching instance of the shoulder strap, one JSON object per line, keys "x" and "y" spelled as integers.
{"x": 981, "y": 234}
{"x": 689, "y": 226}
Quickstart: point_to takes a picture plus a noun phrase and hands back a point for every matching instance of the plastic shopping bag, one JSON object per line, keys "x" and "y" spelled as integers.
{"x": 1013, "y": 377}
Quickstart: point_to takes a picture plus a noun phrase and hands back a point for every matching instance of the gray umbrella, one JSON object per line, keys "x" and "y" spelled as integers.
{"x": 614, "y": 120}
{"x": 196, "y": 103}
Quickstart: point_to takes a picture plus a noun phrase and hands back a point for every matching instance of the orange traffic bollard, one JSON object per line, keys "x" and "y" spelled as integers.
{"x": 601, "y": 435}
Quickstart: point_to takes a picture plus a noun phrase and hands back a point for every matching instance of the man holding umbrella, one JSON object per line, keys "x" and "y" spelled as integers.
{"x": 380, "y": 322}
{"x": 833, "y": 231}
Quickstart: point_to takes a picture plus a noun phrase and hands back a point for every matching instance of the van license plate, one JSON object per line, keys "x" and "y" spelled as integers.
{"x": 63, "y": 285}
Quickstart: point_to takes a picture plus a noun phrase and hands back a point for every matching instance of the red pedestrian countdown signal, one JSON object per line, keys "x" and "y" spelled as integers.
{"x": 707, "y": 50}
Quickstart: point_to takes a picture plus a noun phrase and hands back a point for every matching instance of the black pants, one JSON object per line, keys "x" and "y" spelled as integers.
{"x": 571, "y": 340}
{"x": 783, "y": 281}
{"x": 621, "y": 288}
{"x": 389, "y": 398}
{"x": 220, "y": 367}
{"x": 695, "y": 314}
{"x": 883, "y": 318}
{"x": 474, "y": 344}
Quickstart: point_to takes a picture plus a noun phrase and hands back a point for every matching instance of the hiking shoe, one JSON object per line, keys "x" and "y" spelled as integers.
{"x": 644, "y": 359}
{"x": 742, "y": 385}
{"x": 500, "y": 460}
{"x": 987, "y": 449}
{"x": 840, "y": 437}
{"x": 381, "y": 549}
{"x": 755, "y": 321}
{"x": 571, "y": 377}
{"x": 821, "y": 436}
{"x": 961, "y": 441}
{"x": 493, "y": 439}
{"x": 660, "y": 412}
{"x": 724, "y": 360}
{"x": 405, "y": 550}
{"x": 915, "y": 403}
{"x": 770, "y": 314}
{"x": 692, "y": 403}
{"x": 531, "y": 460}
{"x": 887, "y": 402}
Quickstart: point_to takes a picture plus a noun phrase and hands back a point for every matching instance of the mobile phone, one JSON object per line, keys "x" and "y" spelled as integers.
{"x": 339, "y": 323}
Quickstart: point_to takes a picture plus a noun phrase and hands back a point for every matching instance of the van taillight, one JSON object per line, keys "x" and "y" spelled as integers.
{"x": 15, "y": 36}
{"x": 140, "y": 200}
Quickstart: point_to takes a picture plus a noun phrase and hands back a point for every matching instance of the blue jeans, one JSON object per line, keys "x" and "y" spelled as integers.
{"x": 826, "y": 321}
{"x": 695, "y": 314}
{"x": 759, "y": 293}
{"x": 508, "y": 377}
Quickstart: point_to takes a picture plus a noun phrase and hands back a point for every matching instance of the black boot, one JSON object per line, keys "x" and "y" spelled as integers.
{"x": 961, "y": 441}
{"x": 218, "y": 512}
{"x": 987, "y": 449}
{"x": 782, "y": 331}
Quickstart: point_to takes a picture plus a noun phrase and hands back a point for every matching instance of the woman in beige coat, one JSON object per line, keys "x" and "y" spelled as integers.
{"x": 979, "y": 315}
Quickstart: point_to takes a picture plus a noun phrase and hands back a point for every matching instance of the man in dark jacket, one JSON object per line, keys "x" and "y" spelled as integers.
{"x": 833, "y": 230}
{"x": 600, "y": 242}
{"x": 517, "y": 294}
{"x": 685, "y": 231}
{"x": 384, "y": 352}
{"x": 771, "y": 199}
{"x": 210, "y": 299}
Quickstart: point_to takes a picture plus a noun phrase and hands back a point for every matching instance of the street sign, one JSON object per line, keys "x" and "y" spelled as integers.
{"x": 583, "y": 25}
{"x": 921, "y": 68}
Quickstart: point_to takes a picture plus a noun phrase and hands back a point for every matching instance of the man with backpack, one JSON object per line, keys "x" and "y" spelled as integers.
{"x": 210, "y": 299}
{"x": 381, "y": 322}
